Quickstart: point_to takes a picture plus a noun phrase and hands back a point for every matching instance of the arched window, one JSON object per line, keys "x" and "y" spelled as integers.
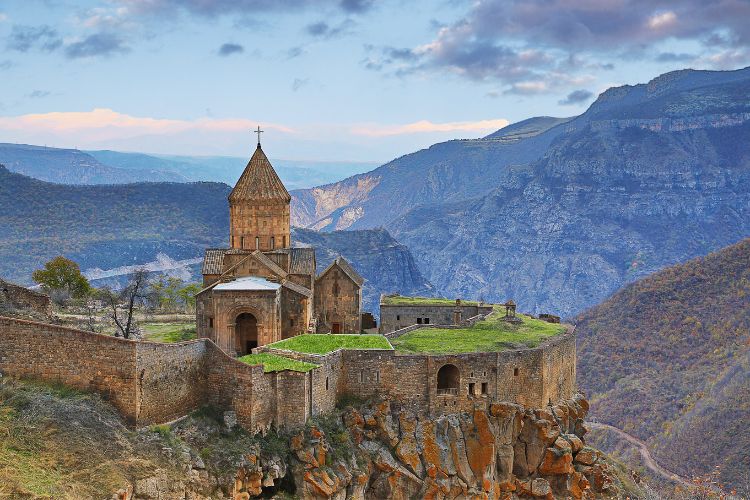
{"x": 257, "y": 242}
{"x": 447, "y": 380}
{"x": 273, "y": 243}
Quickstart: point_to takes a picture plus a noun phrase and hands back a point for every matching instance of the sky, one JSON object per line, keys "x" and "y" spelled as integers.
{"x": 333, "y": 80}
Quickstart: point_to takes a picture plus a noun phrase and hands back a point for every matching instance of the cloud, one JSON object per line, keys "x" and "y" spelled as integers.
{"x": 106, "y": 124}
{"x": 425, "y": 126}
{"x": 294, "y": 52}
{"x": 217, "y": 8}
{"x": 298, "y": 83}
{"x": 3, "y": 17}
{"x": 356, "y": 6}
{"x": 322, "y": 29}
{"x": 673, "y": 57}
{"x": 25, "y": 38}
{"x": 516, "y": 41}
{"x": 228, "y": 49}
{"x": 96, "y": 45}
{"x": 6, "y": 64}
{"x": 38, "y": 94}
{"x": 576, "y": 97}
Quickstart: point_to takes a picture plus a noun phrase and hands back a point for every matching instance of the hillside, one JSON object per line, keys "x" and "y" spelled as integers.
{"x": 295, "y": 174}
{"x": 109, "y": 227}
{"x": 71, "y": 166}
{"x": 559, "y": 218}
{"x": 667, "y": 359}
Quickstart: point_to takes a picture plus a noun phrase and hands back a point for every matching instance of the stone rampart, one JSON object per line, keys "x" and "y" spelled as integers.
{"x": 17, "y": 297}
{"x": 151, "y": 382}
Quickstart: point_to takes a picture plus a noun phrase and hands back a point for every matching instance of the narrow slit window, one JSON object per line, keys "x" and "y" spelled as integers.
{"x": 257, "y": 242}
{"x": 471, "y": 388}
{"x": 377, "y": 376}
{"x": 515, "y": 372}
{"x": 398, "y": 317}
{"x": 273, "y": 241}
{"x": 361, "y": 376}
{"x": 326, "y": 383}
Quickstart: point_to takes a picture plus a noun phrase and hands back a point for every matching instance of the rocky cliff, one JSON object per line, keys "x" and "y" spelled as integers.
{"x": 365, "y": 451}
{"x": 558, "y": 218}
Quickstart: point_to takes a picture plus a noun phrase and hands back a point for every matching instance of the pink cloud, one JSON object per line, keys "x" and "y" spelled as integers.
{"x": 425, "y": 126}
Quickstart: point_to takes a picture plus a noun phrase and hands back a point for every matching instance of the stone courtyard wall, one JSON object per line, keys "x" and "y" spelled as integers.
{"x": 82, "y": 360}
{"x": 172, "y": 380}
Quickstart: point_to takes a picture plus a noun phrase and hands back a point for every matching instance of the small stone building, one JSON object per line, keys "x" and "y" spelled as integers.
{"x": 338, "y": 298}
{"x": 395, "y": 315}
{"x": 262, "y": 289}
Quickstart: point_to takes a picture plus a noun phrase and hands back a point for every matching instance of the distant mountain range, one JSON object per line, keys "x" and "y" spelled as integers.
{"x": 71, "y": 166}
{"x": 667, "y": 359}
{"x": 559, "y": 213}
{"x": 105, "y": 228}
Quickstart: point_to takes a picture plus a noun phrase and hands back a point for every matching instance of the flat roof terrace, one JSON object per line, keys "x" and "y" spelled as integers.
{"x": 312, "y": 343}
{"x": 400, "y": 300}
{"x": 489, "y": 335}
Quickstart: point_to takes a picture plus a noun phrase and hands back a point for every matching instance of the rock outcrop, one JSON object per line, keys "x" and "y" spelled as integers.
{"x": 380, "y": 451}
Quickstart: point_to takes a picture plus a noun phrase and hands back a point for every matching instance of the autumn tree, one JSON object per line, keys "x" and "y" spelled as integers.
{"x": 62, "y": 278}
{"x": 122, "y": 303}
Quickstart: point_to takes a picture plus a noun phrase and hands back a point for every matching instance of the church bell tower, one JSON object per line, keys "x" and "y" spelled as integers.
{"x": 259, "y": 207}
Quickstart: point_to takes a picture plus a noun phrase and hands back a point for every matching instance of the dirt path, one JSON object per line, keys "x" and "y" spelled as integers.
{"x": 648, "y": 460}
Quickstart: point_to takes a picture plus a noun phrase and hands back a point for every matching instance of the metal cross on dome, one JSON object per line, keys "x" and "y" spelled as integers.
{"x": 258, "y": 131}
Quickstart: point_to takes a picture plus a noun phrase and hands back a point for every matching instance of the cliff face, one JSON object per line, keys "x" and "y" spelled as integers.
{"x": 558, "y": 219}
{"x": 386, "y": 265}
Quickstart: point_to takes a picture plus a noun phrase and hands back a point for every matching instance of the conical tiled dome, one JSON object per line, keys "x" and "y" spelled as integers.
{"x": 259, "y": 181}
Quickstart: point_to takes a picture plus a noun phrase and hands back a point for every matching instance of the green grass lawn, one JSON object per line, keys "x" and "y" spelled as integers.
{"x": 168, "y": 332}
{"x": 274, "y": 363}
{"x": 399, "y": 300}
{"x": 322, "y": 344}
{"x": 489, "y": 335}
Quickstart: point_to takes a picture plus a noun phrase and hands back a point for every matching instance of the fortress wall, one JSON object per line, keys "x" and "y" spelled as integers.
{"x": 292, "y": 399}
{"x": 325, "y": 382}
{"x": 520, "y": 378}
{"x": 76, "y": 358}
{"x": 373, "y": 372}
{"x": 559, "y": 368}
{"x": 172, "y": 380}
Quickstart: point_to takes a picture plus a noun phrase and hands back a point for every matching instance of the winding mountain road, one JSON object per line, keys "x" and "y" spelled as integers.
{"x": 648, "y": 460}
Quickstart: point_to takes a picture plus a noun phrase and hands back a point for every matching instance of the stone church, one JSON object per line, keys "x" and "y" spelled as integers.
{"x": 262, "y": 289}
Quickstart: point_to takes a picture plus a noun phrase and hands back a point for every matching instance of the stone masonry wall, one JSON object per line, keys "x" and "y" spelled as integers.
{"x": 172, "y": 380}
{"x": 81, "y": 360}
{"x": 18, "y": 297}
{"x": 393, "y": 317}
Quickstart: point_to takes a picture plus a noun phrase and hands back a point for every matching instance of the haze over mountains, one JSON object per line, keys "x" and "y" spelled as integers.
{"x": 558, "y": 214}
{"x": 72, "y": 166}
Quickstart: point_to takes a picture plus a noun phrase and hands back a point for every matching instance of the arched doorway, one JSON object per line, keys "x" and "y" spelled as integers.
{"x": 448, "y": 378}
{"x": 246, "y": 333}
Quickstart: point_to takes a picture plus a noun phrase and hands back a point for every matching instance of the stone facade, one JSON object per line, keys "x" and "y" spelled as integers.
{"x": 338, "y": 299}
{"x": 396, "y": 317}
{"x": 17, "y": 297}
{"x": 261, "y": 289}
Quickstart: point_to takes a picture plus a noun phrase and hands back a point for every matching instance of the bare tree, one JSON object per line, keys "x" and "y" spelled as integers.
{"x": 122, "y": 304}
